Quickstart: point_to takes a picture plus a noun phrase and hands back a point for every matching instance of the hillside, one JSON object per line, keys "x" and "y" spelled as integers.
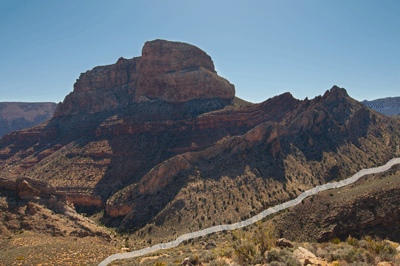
{"x": 158, "y": 145}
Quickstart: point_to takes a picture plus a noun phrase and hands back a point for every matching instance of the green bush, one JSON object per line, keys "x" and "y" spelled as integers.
{"x": 336, "y": 241}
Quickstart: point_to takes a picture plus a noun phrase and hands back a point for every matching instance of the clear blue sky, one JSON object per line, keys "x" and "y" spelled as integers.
{"x": 263, "y": 47}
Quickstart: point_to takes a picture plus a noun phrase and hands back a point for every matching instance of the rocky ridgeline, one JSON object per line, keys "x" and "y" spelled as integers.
{"x": 265, "y": 126}
{"x": 169, "y": 71}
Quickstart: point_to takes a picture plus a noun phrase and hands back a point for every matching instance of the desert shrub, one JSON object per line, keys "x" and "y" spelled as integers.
{"x": 369, "y": 257}
{"x": 363, "y": 244}
{"x": 257, "y": 259}
{"x": 218, "y": 263}
{"x": 384, "y": 256}
{"x": 273, "y": 255}
{"x": 377, "y": 247}
{"x": 264, "y": 238}
{"x": 333, "y": 257}
{"x": 158, "y": 263}
{"x": 222, "y": 252}
{"x": 291, "y": 261}
{"x": 207, "y": 256}
{"x": 388, "y": 248}
{"x": 277, "y": 263}
{"x": 359, "y": 256}
{"x": 352, "y": 241}
{"x": 281, "y": 256}
{"x": 350, "y": 256}
{"x": 336, "y": 241}
{"x": 194, "y": 259}
{"x": 322, "y": 253}
{"x": 245, "y": 250}
{"x": 252, "y": 250}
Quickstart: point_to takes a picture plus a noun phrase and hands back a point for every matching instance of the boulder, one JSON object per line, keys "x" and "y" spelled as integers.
{"x": 302, "y": 254}
{"x": 211, "y": 245}
{"x": 282, "y": 242}
{"x": 186, "y": 262}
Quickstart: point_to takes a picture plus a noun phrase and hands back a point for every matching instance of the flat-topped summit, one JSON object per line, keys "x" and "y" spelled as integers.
{"x": 160, "y": 56}
{"x": 173, "y": 72}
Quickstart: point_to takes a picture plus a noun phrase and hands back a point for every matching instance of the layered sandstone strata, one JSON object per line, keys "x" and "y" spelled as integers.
{"x": 169, "y": 71}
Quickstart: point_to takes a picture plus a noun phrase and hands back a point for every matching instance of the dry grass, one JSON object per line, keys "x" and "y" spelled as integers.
{"x": 29, "y": 248}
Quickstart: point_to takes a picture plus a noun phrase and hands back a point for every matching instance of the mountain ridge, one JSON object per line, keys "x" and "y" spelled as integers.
{"x": 151, "y": 157}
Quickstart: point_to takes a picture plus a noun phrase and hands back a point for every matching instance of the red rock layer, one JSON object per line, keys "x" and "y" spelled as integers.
{"x": 171, "y": 71}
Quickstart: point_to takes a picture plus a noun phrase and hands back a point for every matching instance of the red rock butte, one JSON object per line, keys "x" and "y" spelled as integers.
{"x": 174, "y": 72}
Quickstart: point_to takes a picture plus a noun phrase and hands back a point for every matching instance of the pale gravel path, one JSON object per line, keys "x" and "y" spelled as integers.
{"x": 253, "y": 219}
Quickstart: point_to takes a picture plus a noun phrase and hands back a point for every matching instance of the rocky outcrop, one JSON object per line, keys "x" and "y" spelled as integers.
{"x": 85, "y": 200}
{"x": 115, "y": 210}
{"x": 173, "y": 72}
{"x": 306, "y": 257}
{"x": 36, "y": 206}
{"x": 283, "y": 242}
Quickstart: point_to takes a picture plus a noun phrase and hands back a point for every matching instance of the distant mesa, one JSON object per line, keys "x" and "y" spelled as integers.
{"x": 20, "y": 115}
{"x": 173, "y": 72}
{"x": 386, "y": 106}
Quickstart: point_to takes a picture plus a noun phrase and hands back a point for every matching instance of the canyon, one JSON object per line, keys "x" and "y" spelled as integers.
{"x": 156, "y": 139}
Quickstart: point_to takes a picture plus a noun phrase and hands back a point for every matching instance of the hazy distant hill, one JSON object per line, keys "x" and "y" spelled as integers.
{"x": 386, "y": 106}
{"x": 20, "y": 115}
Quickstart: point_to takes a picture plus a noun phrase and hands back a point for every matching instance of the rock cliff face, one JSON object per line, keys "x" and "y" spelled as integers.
{"x": 169, "y": 71}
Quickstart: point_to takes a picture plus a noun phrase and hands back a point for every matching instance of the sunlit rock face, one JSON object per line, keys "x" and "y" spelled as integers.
{"x": 173, "y": 72}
